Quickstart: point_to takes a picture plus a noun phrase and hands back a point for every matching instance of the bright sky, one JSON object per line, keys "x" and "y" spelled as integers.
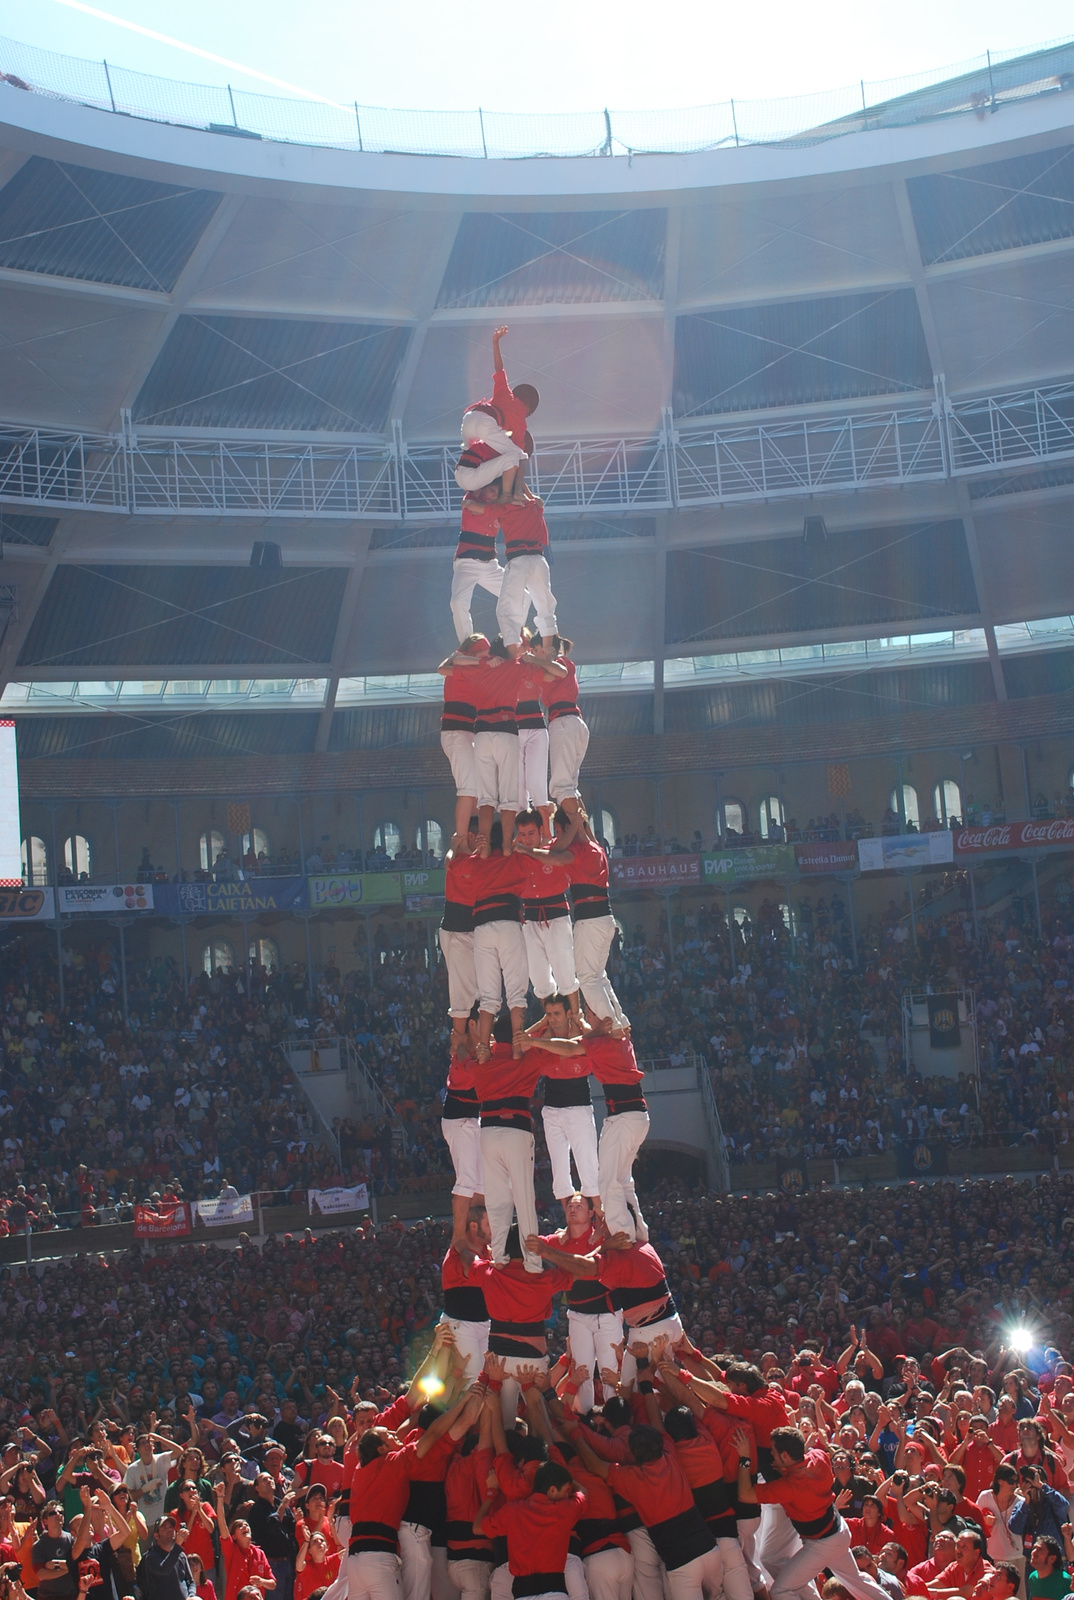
{"x": 550, "y": 55}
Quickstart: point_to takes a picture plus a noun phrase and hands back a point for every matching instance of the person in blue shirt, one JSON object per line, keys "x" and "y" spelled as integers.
{"x": 1043, "y": 1512}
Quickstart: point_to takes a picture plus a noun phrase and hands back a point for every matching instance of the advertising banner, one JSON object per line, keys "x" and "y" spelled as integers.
{"x": 944, "y": 1031}
{"x": 247, "y": 897}
{"x": 27, "y": 905}
{"x": 1014, "y": 836}
{"x": 728, "y": 867}
{"x": 10, "y": 832}
{"x": 824, "y": 856}
{"x": 916, "y": 1158}
{"x": 223, "y": 1211}
{"x": 330, "y": 1202}
{"x": 162, "y": 1222}
{"x": 905, "y": 852}
{"x": 655, "y": 872}
{"x": 108, "y": 897}
{"x": 341, "y": 889}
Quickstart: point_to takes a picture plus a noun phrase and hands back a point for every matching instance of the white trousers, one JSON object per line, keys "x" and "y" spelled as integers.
{"x": 699, "y": 1579}
{"x": 416, "y": 1559}
{"x": 462, "y": 1135}
{"x": 568, "y": 741}
{"x": 458, "y": 951}
{"x": 458, "y": 746}
{"x": 481, "y": 425}
{"x": 574, "y": 1572}
{"x": 609, "y": 1574}
{"x": 374, "y": 1575}
{"x": 795, "y": 1581}
{"x": 507, "y": 1159}
{"x": 496, "y": 765}
{"x": 736, "y": 1574}
{"x": 467, "y": 574}
{"x": 471, "y": 1345}
{"x": 512, "y": 1385}
{"x": 593, "y": 1337}
{"x": 472, "y": 1578}
{"x": 500, "y": 964}
{"x": 532, "y": 767}
{"x": 526, "y": 580}
{"x": 647, "y": 1336}
{"x": 775, "y": 1541}
{"x": 501, "y": 1583}
{"x": 649, "y": 1574}
{"x": 592, "y": 941}
{"x": 621, "y": 1137}
{"x": 550, "y": 956}
{"x": 567, "y": 1130}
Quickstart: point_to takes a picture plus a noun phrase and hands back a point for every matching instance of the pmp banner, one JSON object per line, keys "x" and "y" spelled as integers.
{"x": 245, "y": 897}
{"x": 73, "y": 897}
{"x": 162, "y": 1222}
{"x": 331, "y": 1202}
{"x": 905, "y": 852}
{"x": 817, "y": 857}
{"x": 943, "y": 1022}
{"x": 223, "y": 1211}
{"x": 341, "y": 889}
{"x": 728, "y": 867}
{"x": 27, "y": 905}
{"x": 1014, "y": 836}
{"x": 656, "y": 872}
{"x": 423, "y": 892}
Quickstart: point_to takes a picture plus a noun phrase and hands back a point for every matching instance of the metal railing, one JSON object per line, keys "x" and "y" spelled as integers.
{"x": 389, "y": 479}
{"x": 981, "y": 85}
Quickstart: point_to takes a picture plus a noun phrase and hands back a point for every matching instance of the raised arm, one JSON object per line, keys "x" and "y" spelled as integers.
{"x": 577, "y": 1266}
{"x": 497, "y": 358}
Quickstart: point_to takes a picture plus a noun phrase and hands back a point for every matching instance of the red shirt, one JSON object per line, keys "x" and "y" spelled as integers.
{"x": 538, "y": 1531}
{"x": 313, "y": 1576}
{"x": 525, "y": 531}
{"x": 461, "y": 1100}
{"x": 805, "y": 1494}
{"x": 460, "y": 880}
{"x": 459, "y": 710}
{"x": 661, "y": 1496}
{"x": 498, "y": 882}
{"x": 531, "y": 681}
{"x": 979, "y": 1465}
{"x": 494, "y": 685}
{"x": 505, "y": 1086}
{"x": 329, "y": 1473}
{"x": 560, "y": 695}
{"x": 956, "y": 1577}
{"x": 464, "y": 1494}
{"x": 477, "y": 530}
{"x": 920, "y": 1579}
{"x": 240, "y": 1565}
{"x": 379, "y": 1494}
{"x": 514, "y": 1295}
{"x": 723, "y": 1426}
{"x": 615, "y": 1066}
{"x": 636, "y": 1277}
{"x": 545, "y": 893}
{"x": 765, "y": 1410}
{"x": 199, "y": 1539}
{"x": 512, "y": 412}
{"x": 873, "y": 1538}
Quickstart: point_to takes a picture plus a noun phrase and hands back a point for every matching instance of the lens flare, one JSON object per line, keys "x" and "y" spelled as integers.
{"x": 432, "y": 1386}
{"x": 1019, "y": 1340}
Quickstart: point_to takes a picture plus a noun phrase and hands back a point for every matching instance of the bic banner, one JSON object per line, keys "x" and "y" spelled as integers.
{"x": 108, "y": 898}
{"x": 340, "y": 889}
{"x": 729, "y": 867}
{"x": 656, "y": 872}
{"x": 944, "y": 1031}
{"x": 27, "y": 905}
{"x": 331, "y": 1202}
{"x": 225, "y": 1210}
{"x": 163, "y": 1222}
{"x": 916, "y": 1158}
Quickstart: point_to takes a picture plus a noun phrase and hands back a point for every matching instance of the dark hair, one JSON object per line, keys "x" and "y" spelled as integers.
{"x": 561, "y": 646}
{"x": 746, "y": 1373}
{"x": 1004, "y": 1473}
{"x": 503, "y": 1029}
{"x": 1053, "y": 1547}
{"x": 369, "y": 1446}
{"x": 956, "y": 1472}
{"x": 550, "y": 1475}
{"x": 790, "y": 1442}
{"x": 557, "y": 1000}
{"x": 981, "y": 1542}
{"x": 646, "y": 1444}
{"x": 680, "y": 1423}
{"x": 529, "y": 818}
{"x": 526, "y": 1446}
{"x": 498, "y": 648}
{"x": 1010, "y": 1572}
{"x": 616, "y": 1412}
{"x": 528, "y": 395}
{"x": 426, "y": 1415}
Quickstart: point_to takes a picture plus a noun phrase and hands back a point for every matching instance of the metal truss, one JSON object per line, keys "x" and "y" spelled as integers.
{"x": 392, "y": 480}
{"x": 808, "y": 456}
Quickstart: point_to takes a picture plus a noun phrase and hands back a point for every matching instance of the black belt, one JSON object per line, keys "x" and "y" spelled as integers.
{"x": 538, "y": 1583}
{"x": 460, "y": 1107}
{"x": 681, "y": 1538}
{"x": 545, "y": 908}
{"x": 590, "y": 901}
{"x": 500, "y": 1344}
{"x": 818, "y": 1527}
{"x": 379, "y": 1536}
{"x": 496, "y": 908}
{"x": 513, "y": 1111}
{"x": 458, "y": 917}
{"x": 524, "y": 550}
{"x": 563, "y": 708}
{"x": 616, "y": 1101}
{"x": 640, "y": 1296}
{"x": 484, "y": 723}
{"x": 465, "y": 1303}
{"x": 520, "y": 1330}
{"x": 460, "y": 708}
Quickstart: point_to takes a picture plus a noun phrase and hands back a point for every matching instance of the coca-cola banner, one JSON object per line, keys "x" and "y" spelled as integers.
{"x": 1014, "y": 836}
{"x": 836, "y": 855}
{"x": 655, "y": 872}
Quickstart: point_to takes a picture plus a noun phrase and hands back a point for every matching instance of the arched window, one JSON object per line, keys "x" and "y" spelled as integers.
{"x": 948, "y": 801}
{"x": 267, "y": 951}
{"x": 772, "y": 817}
{"x": 210, "y": 844}
{"x": 259, "y": 842}
{"x": 77, "y": 856}
{"x": 608, "y": 829}
{"x": 34, "y": 862}
{"x": 388, "y": 838}
{"x": 218, "y": 957}
{"x": 909, "y": 804}
{"x": 733, "y": 818}
{"x": 431, "y": 839}
{"x": 742, "y": 917}
{"x": 787, "y": 915}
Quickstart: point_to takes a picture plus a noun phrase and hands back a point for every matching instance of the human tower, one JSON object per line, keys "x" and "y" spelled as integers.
{"x": 632, "y": 1471}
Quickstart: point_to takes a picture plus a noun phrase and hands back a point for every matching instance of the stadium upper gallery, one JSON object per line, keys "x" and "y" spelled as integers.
{"x": 805, "y": 445}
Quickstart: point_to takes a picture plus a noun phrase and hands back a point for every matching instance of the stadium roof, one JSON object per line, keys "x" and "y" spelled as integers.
{"x": 858, "y": 329}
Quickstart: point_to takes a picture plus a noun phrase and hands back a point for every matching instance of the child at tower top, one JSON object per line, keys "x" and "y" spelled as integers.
{"x": 494, "y": 434}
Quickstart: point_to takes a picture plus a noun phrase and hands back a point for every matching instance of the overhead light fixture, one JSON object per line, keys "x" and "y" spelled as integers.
{"x": 814, "y": 528}
{"x": 266, "y": 556}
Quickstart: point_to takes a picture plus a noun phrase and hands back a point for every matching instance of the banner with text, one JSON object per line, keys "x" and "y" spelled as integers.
{"x": 655, "y": 872}
{"x": 906, "y": 852}
{"x": 819, "y": 857}
{"x": 247, "y": 897}
{"x": 331, "y": 1202}
{"x": 1006, "y": 836}
{"x": 27, "y": 905}
{"x": 98, "y": 897}
{"x": 223, "y": 1211}
{"x": 944, "y": 1031}
{"x": 338, "y": 890}
{"x": 728, "y": 867}
{"x": 162, "y": 1222}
